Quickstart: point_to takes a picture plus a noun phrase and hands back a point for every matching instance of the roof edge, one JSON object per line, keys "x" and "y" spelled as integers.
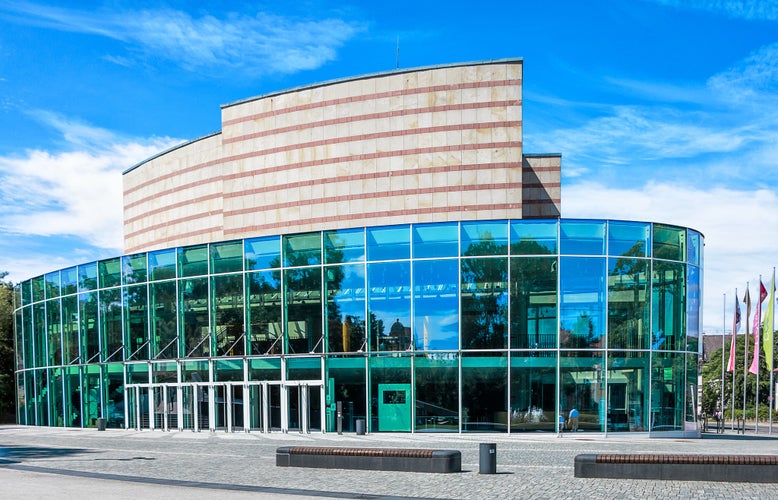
{"x": 168, "y": 150}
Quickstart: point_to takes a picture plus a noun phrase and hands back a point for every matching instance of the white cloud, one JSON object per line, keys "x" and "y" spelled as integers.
{"x": 257, "y": 44}
{"x": 738, "y": 226}
{"x": 738, "y": 9}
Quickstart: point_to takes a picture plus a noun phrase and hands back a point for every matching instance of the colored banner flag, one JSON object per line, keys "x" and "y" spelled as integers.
{"x": 757, "y": 319}
{"x": 735, "y": 328}
{"x": 767, "y": 328}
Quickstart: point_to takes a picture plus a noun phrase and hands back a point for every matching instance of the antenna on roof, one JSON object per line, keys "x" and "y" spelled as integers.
{"x": 397, "y": 54}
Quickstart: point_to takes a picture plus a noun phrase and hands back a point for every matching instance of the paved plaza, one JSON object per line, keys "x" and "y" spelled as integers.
{"x": 71, "y": 463}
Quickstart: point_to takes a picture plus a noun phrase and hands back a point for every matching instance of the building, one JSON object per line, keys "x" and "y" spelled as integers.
{"x": 376, "y": 249}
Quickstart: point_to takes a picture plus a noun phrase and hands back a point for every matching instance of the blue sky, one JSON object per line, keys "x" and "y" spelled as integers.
{"x": 663, "y": 110}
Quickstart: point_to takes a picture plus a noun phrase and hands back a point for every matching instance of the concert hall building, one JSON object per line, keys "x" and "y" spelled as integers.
{"x": 377, "y": 253}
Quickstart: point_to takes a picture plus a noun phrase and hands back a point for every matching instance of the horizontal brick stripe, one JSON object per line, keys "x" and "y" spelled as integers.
{"x": 370, "y": 116}
{"x": 372, "y": 96}
{"x": 169, "y": 222}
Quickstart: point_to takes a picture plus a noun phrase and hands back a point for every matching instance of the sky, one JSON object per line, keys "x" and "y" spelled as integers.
{"x": 663, "y": 110}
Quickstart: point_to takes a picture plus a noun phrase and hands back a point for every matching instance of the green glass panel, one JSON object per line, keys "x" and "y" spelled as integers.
{"x": 29, "y": 397}
{"x": 347, "y": 384}
{"x": 110, "y": 272}
{"x": 70, "y": 346}
{"x": 436, "y": 305}
{"x": 484, "y": 392}
{"x": 389, "y": 306}
{"x": 582, "y": 302}
{"x": 668, "y": 380}
{"x": 582, "y": 387}
{"x": 28, "y": 335}
{"x": 435, "y": 240}
{"x": 165, "y": 372}
{"x": 533, "y": 398}
{"x": 230, "y": 370}
{"x": 54, "y": 332}
{"x": 533, "y": 302}
{"x": 582, "y": 238}
{"x": 628, "y": 303}
{"x": 193, "y": 261}
{"x": 437, "y": 392}
{"x": 162, "y": 264}
{"x": 388, "y": 243}
{"x": 264, "y": 306}
{"x": 73, "y": 403}
{"x": 113, "y": 381}
{"x": 111, "y": 325}
{"x": 26, "y": 292}
{"x": 693, "y": 308}
{"x": 194, "y": 371}
{"x": 227, "y": 314}
{"x": 134, "y": 268}
{"x": 265, "y": 369}
{"x": 303, "y": 305}
{"x": 302, "y": 249}
{"x": 42, "y": 397}
{"x": 39, "y": 335}
{"x": 136, "y": 322}
{"x": 138, "y": 373}
{"x": 693, "y": 247}
{"x": 263, "y": 253}
{"x": 390, "y": 390}
{"x": 69, "y": 279}
{"x": 629, "y": 239}
{"x": 88, "y": 331}
{"x": 193, "y": 318}
{"x": 668, "y": 306}
{"x": 52, "y": 285}
{"x": 21, "y": 416}
{"x": 92, "y": 396}
{"x": 303, "y": 368}
{"x": 484, "y": 238}
{"x": 37, "y": 288}
{"x": 669, "y": 242}
{"x": 19, "y": 340}
{"x": 227, "y": 257}
{"x": 163, "y": 308}
{"x": 18, "y": 296}
{"x": 344, "y": 245}
{"x": 628, "y": 391}
{"x": 345, "y": 308}
{"x": 57, "y": 397}
{"x": 533, "y": 237}
{"x": 484, "y": 303}
{"x": 87, "y": 277}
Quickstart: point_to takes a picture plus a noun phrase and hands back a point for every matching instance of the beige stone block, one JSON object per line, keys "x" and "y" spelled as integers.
{"x": 424, "y": 160}
{"x": 424, "y": 120}
{"x": 470, "y": 177}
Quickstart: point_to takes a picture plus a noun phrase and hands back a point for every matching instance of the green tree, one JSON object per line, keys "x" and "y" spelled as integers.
{"x": 7, "y": 385}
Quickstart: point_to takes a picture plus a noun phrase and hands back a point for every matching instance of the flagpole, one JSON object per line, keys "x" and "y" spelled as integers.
{"x": 723, "y": 334}
{"x": 733, "y": 352}
{"x": 771, "y": 306}
{"x": 747, "y": 302}
{"x": 758, "y": 321}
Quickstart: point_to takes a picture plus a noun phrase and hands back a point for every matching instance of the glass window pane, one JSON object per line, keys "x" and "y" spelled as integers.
{"x": 264, "y": 312}
{"x": 26, "y": 292}
{"x": 41, "y": 354}
{"x": 194, "y": 371}
{"x": 485, "y": 238}
{"x": 162, "y": 264}
{"x": 533, "y": 237}
{"x": 37, "y": 288}
{"x": 629, "y": 239}
{"x": 694, "y": 247}
{"x": 582, "y": 238}
{"x": 668, "y": 306}
{"x": 263, "y": 253}
{"x": 389, "y": 306}
{"x": 533, "y": 303}
{"x": 346, "y": 308}
{"x": 193, "y": 261}
{"x": 693, "y": 306}
{"x": 485, "y": 303}
{"x": 388, "y": 243}
{"x": 437, "y": 392}
{"x": 136, "y": 322}
{"x": 193, "y": 320}
{"x": 90, "y": 343}
{"x": 134, "y": 268}
{"x": 628, "y": 390}
{"x": 435, "y": 302}
{"x": 344, "y": 245}
{"x": 228, "y": 370}
{"x": 435, "y": 240}
{"x": 667, "y": 391}
{"x": 484, "y": 392}
{"x": 390, "y": 387}
{"x": 582, "y": 387}
{"x": 265, "y": 369}
{"x": 303, "y": 310}
{"x": 533, "y": 391}
{"x": 227, "y": 314}
{"x": 227, "y": 257}
{"x": 163, "y": 307}
{"x": 111, "y": 325}
{"x": 348, "y": 377}
{"x": 582, "y": 302}
{"x": 628, "y": 306}
{"x": 302, "y": 250}
{"x": 87, "y": 277}
{"x": 110, "y": 272}
{"x": 70, "y": 329}
{"x": 69, "y": 280}
{"x": 54, "y": 332}
{"x": 52, "y": 285}
{"x": 669, "y": 242}
{"x": 303, "y": 368}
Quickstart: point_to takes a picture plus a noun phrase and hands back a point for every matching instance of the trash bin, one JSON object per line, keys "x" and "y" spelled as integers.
{"x": 360, "y": 422}
{"x": 100, "y": 424}
{"x": 487, "y": 458}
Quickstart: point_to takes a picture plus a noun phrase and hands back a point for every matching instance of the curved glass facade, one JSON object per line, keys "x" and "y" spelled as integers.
{"x": 499, "y": 326}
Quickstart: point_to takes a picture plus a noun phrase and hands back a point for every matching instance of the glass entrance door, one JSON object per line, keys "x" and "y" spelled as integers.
{"x": 303, "y": 407}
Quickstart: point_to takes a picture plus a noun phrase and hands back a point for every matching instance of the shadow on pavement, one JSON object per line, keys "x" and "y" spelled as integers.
{"x": 30, "y": 452}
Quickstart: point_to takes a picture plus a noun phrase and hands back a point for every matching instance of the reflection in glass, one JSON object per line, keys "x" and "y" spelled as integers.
{"x": 110, "y": 272}
{"x": 226, "y": 257}
{"x": 628, "y": 307}
{"x": 582, "y": 386}
{"x": 628, "y": 391}
{"x": 134, "y": 268}
{"x": 388, "y": 243}
{"x": 694, "y": 247}
{"x": 344, "y": 245}
{"x": 52, "y": 285}
{"x": 582, "y": 237}
{"x": 111, "y": 324}
{"x": 533, "y": 391}
{"x": 37, "y": 288}
{"x": 390, "y": 394}
{"x": 54, "y": 332}
{"x": 485, "y": 303}
{"x": 87, "y": 312}
{"x": 435, "y": 240}
{"x": 668, "y": 306}
{"x": 485, "y": 238}
{"x": 193, "y": 261}
{"x": 264, "y": 312}
{"x": 346, "y": 308}
{"x": 435, "y": 304}
{"x": 669, "y": 242}
{"x": 484, "y": 392}
{"x": 348, "y": 382}
{"x": 162, "y": 264}
{"x": 136, "y": 322}
{"x": 69, "y": 280}
{"x": 667, "y": 392}
{"x": 629, "y": 239}
{"x": 87, "y": 277}
{"x": 693, "y": 307}
{"x": 533, "y": 302}
{"x": 533, "y": 237}
{"x": 303, "y": 310}
{"x": 193, "y": 321}
{"x": 39, "y": 334}
{"x": 163, "y": 309}
{"x": 389, "y": 306}
{"x": 436, "y": 388}
{"x": 227, "y": 314}
{"x": 263, "y": 253}
{"x": 582, "y": 302}
{"x": 302, "y": 249}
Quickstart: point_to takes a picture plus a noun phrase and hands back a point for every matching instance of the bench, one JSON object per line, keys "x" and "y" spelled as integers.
{"x": 726, "y": 468}
{"x": 390, "y": 459}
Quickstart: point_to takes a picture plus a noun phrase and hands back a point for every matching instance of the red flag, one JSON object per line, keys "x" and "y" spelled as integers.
{"x": 735, "y": 328}
{"x": 757, "y": 319}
